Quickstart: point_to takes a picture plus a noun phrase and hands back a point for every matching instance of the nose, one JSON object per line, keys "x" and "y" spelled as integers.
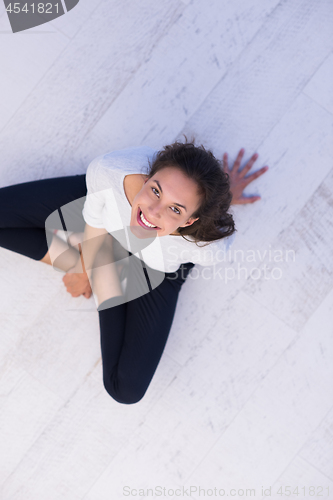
{"x": 154, "y": 213}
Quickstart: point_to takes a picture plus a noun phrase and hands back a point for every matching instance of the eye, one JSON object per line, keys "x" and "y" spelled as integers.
{"x": 178, "y": 211}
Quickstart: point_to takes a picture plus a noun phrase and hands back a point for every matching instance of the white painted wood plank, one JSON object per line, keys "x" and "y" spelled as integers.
{"x": 318, "y": 450}
{"x": 319, "y": 87}
{"x": 7, "y": 340}
{"x": 303, "y": 281}
{"x": 300, "y": 477}
{"x": 61, "y": 346}
{"x": 224, "y": 370}
{"x": 27, "y": 406}
{"x": 182, "y": 70}
{"x": 264, "y": 81}
{"x": 73, "y": 95}
{"x": 59, "y": 463}
{"x": 42, "y": 487}
{"x": 72, "y": 452}
{"x": 280, "y": 416}
{"x": 26, "y": 288}
{"x": 24, "y": 60}
{"x": 87, "y": 434}
{"x": 300, "y": 140}
{"x": 148, "y": 460}
{"x": 195, "y": 316}
{"x": 71, "y": 22}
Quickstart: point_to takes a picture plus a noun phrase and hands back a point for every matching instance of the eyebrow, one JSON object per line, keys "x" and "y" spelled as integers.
{"x": 179, "y": 205}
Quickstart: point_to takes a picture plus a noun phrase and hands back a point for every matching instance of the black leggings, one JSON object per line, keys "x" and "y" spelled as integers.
{"x": 133, "y": 334}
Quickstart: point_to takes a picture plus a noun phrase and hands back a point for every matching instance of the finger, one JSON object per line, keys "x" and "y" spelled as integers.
{"x": 225, "y": 163}
{"x": 248, "y": 199}
{"x": 243, "y": 200}
{"x": 255, "y": 175}
{"x": 249, "y": 165}
{"x": 238, "y": 160}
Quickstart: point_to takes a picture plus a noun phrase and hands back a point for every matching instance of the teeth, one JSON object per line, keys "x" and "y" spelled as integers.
{"x": 145, "y": 221}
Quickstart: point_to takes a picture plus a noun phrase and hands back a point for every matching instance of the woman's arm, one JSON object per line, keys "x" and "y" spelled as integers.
{"x": 77, "y": 279}
{"x": 93, "y": 239}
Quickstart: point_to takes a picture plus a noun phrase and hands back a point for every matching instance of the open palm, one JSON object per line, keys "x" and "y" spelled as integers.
{"x": 238, "y": 181}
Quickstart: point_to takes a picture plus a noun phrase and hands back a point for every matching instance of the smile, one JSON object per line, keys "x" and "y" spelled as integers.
{"x": 144, "y": 222}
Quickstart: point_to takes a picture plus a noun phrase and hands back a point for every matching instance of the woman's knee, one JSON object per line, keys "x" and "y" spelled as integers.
{"x": 124, "y": 392}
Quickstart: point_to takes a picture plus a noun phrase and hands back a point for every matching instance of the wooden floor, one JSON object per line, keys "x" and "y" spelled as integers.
{"x": 243, "y": 395}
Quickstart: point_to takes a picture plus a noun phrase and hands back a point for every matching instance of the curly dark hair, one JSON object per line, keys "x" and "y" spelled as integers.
{"x": 199, "y": 164}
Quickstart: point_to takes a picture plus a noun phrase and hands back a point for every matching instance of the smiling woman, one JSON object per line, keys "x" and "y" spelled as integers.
{"x": 155, "y": 206}
{"x": 185, "y": 191}
{"x": 182, "y": 200}
{"x": 191, "y": 174}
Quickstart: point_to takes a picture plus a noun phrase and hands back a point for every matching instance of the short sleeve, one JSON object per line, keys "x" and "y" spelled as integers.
{"x": 95, "y": 199}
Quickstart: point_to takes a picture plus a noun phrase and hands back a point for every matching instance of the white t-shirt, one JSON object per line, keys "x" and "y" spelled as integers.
{"x": 106, "y": 206}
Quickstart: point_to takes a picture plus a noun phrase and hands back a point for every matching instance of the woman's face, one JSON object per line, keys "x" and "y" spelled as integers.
{"x": 167, "y": 201}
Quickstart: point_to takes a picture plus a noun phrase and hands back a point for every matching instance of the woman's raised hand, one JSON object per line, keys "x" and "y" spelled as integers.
{"x": 238, "y": 181}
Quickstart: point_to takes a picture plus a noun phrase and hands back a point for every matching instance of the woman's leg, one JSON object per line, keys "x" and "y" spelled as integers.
{"x": 133, "y": 337}
{"x": 63, "y": 258}
{"x": 133, "y": 334}
{"x": 24, "y": 209}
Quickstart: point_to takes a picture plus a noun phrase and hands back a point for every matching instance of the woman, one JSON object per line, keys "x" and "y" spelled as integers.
{"x": 184, "y": 198}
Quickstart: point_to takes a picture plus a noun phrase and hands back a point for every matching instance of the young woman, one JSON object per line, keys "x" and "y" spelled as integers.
{"x": 181, "y": 200}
